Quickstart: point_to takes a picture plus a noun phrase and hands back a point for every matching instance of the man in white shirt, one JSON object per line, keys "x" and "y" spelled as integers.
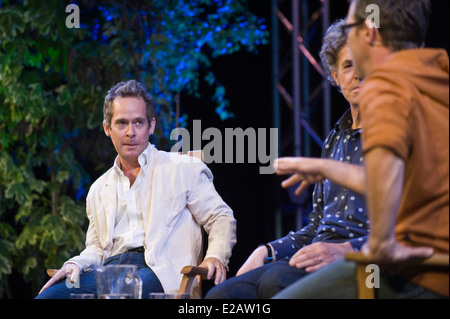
{"x": 148, "y": 209}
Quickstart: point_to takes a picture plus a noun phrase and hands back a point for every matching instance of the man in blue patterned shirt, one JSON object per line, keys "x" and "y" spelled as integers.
{"x": 338, "y": 221}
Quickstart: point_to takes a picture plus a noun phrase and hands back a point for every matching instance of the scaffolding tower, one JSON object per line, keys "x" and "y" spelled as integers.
{"x": 301, "y": 93}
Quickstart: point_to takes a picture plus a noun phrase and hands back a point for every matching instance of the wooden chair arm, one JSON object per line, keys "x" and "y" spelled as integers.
{"x": 191, "y": 271}
{"x": 436, "y": 260}
{"x": 364, "y": 292}
{"x": 52, "y": 272}
{"x": 191, "y": 282}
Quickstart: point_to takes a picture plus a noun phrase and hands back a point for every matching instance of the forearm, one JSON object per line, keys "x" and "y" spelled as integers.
{"x": 221, "y": 238}
{"x": 384, "y": 180}
{"x": 350, "y": 176}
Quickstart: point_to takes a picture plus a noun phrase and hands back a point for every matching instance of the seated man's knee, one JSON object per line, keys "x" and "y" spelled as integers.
{"x": 220, "y": 291}
{"x": 277, "y": 278}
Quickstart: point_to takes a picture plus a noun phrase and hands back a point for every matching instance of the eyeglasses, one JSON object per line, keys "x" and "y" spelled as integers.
{"x": 346, "y": 27}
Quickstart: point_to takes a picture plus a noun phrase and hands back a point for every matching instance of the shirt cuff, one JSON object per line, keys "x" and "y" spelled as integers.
{"x": 285, "y": 247}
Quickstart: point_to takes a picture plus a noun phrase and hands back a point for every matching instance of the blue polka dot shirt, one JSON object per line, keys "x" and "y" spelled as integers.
{"x": 338, "y": 214}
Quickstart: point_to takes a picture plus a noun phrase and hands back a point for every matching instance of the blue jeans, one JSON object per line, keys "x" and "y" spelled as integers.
{"x": 261, "y": 283}
{"x": 338, "y": 281}
{"x": 87, "y": 284}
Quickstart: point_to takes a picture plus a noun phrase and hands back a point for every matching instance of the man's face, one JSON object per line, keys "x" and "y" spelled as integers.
{"x": 345, "y": 76}
{"x": 129, "y": 130}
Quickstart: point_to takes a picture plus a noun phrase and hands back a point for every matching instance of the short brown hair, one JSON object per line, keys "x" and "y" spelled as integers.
{"x": 130, "y": 88}
{"x": 403, "y": 23}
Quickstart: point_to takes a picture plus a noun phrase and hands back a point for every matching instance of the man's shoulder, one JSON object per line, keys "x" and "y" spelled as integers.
{"x": 180, "y": 165}
{"x": 102, "y": 180}
{"x": 175, "y": 159}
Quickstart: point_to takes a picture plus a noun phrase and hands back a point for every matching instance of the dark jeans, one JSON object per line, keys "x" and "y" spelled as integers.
{"x": 260, "y": 283}
{"x": 278, "y": 280}
{"x": 87, "y": 284}
{"x": 338, "y": 281}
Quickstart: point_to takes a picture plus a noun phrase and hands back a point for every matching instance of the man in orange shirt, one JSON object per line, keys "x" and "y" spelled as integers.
{"x": 405, "y": 118}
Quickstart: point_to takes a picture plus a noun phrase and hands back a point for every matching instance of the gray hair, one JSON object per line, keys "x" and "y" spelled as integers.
{"x": 130, "y": 88}
{"x": 333, "y": 42}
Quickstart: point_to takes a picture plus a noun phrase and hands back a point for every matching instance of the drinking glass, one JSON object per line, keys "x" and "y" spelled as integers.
{"x": 118, "y": 282}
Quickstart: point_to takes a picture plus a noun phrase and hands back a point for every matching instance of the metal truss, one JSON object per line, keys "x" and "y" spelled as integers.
{"x": 299, "y": 85}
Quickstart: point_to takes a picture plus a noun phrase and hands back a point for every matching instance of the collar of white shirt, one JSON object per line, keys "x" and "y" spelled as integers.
{"x": 143, "y": 160}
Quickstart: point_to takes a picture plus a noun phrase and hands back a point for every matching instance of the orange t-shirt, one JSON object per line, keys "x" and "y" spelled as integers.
{"x": 405, "y": 108}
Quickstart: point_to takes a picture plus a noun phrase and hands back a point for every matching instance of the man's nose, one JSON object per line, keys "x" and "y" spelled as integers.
{"x": 130, "y": 130}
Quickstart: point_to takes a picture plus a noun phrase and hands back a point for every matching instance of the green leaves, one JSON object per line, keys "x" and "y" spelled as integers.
{"x": 6, "y": 250}
{"x": 16, "y": 191}
{"x": 11, "y": 23}
{"x": 52, "y": 83}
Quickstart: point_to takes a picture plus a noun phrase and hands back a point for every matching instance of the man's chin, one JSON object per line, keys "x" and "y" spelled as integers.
{"x": 130, "y": 152}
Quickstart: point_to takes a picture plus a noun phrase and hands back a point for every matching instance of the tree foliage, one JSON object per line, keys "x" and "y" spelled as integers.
{"x": 52, "y": 83}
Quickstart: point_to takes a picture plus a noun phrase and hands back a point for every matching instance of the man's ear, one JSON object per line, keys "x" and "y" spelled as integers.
{"x": 151, "y": 129}
{"x": 335, "y": 78}
{"x": 372, "y": 35}
{"x": 107, "y": 129}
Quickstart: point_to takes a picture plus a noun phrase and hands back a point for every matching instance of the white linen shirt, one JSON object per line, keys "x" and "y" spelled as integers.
{"x": 177, "y": 198}
{"x": 129, "y": 224}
